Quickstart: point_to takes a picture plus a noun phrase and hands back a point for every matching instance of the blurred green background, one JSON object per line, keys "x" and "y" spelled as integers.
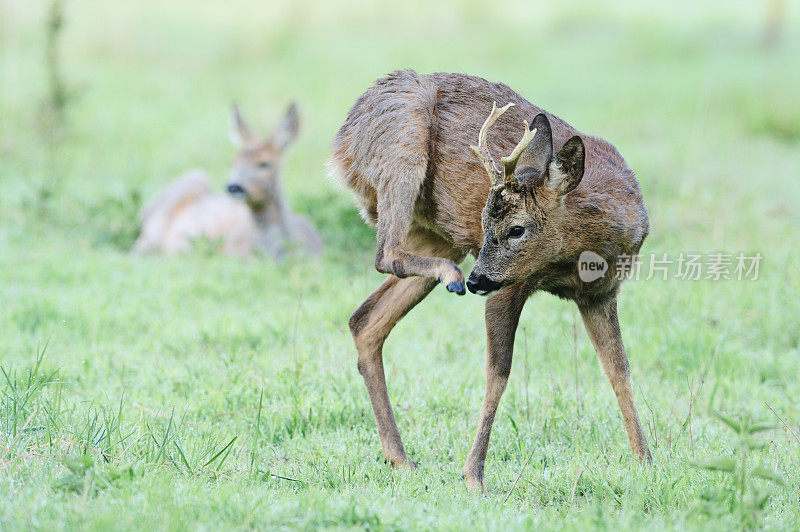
{"x": 699, "y": 97}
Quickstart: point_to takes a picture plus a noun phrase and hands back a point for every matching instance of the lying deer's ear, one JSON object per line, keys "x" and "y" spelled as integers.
{"x": 287, "y": 128}
{"x": 240, "y": 132}
{"x": 566, "y": 170}
{"x": 535, "y": 158}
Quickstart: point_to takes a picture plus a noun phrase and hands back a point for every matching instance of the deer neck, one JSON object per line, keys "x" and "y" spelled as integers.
{"x": 271, "y": 216}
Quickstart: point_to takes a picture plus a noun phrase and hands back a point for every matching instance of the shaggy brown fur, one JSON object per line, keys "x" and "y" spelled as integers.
{"x": 404, "y": 151}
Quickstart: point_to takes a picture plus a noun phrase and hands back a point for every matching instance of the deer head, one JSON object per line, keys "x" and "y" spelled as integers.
{"x": 524, "y": 213}
{"x": 257, "y": 166}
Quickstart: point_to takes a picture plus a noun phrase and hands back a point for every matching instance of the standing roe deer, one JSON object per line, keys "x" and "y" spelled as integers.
{"x": 404, "y": 150}
{"x": 187, "y": 209}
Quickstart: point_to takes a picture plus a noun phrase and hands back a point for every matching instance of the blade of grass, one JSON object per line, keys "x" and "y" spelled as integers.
{"x": 166, "y": 435}
{"x": 183, "y": 457}
{"x": 220, "y": 452}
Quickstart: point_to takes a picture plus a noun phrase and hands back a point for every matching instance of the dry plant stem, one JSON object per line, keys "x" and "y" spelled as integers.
{"x": 519, "y": 476}
{"x": 21, "y": 431}
{"x": 575, "y": 362}
{"x": 578, "y": 474}
{"x": 652, "y": 423}
{"x": 527, "y": 402}
{"x": 691, "y": 404}
{"x": 786, "y": 425}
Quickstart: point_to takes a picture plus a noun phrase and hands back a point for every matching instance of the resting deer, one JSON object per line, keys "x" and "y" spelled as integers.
{"x": 405, "y": 152}
{"x": 253, "y": 217}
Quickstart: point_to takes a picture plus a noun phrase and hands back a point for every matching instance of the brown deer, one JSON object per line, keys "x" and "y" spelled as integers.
{"x": 253, "y": 217}
{"x": 404, "y": 151}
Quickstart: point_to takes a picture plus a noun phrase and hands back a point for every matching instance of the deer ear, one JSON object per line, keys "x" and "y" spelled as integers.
{"x": 566, "y": 169}
{"x": 240, "y": 132}
{"x": 535, "y": 158}
{"x": 287, "y": 129}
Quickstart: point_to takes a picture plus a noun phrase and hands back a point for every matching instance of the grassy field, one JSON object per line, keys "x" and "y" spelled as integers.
{"x": 207, "y": 392}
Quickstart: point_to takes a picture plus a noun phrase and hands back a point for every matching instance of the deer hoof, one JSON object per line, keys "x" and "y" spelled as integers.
{"x": 474, "y": 484}
{"x": 405, "y": 463}
{"x": 457, "y": 287}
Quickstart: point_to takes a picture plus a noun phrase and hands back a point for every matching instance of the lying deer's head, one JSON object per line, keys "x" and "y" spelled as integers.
{"x": 256, "y": 171}
{"x": 524, "y": 209}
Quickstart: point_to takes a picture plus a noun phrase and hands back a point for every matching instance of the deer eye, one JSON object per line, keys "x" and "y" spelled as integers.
{"x": 516, "y": 231}
{"x": 264, "y": 164}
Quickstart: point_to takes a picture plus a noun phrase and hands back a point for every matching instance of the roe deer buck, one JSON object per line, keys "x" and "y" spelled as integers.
{"x": 405, "y": 152}
{"x": 187, "y": 209}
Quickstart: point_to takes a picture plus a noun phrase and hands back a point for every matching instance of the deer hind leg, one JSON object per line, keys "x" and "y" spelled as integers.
{"x": 602, "y": 324}
{"x": 371, "y": 324}
{"x": 396, "y": 202}
{"x": 502, "y": 316}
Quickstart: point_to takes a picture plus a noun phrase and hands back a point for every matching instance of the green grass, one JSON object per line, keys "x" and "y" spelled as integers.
{"x": 206, "y": 392}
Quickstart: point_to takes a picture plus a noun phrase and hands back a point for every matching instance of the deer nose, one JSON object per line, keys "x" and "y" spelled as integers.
{"x": 482, "y": 285}
{"x": 472, "y": 284}
{"x": 235, "y": 189}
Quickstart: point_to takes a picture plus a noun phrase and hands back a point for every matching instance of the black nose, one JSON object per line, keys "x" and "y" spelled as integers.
{"x": 480, "y": 284}
{"x": 472, "y": 284}
{"x": 235, "y": 189}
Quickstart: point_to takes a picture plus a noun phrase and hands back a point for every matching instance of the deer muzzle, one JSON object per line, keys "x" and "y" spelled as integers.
{"x": 482, "y": 285}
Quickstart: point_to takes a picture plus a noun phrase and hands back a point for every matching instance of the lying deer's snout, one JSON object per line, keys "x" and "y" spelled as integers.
{"x": 482, "y": 285}
{"x": 235, "y": 190}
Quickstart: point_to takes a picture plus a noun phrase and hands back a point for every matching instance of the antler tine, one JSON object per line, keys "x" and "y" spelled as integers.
{"x": 481, "y": 151}
{"x": 510, "y": 162}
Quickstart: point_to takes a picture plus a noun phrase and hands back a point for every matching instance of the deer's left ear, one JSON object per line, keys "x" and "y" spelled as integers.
{"x": 566, "y": 169}
{"x": 287, "y": 128}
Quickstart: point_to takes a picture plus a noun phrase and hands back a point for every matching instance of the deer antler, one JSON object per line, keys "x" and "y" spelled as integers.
{"x": 499, "y": 176}
{"x": 481, "y": 151}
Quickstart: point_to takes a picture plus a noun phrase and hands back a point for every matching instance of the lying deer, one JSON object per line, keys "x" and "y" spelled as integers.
{"x": 255, "y": 216}
{"x": 405, "y": 152}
